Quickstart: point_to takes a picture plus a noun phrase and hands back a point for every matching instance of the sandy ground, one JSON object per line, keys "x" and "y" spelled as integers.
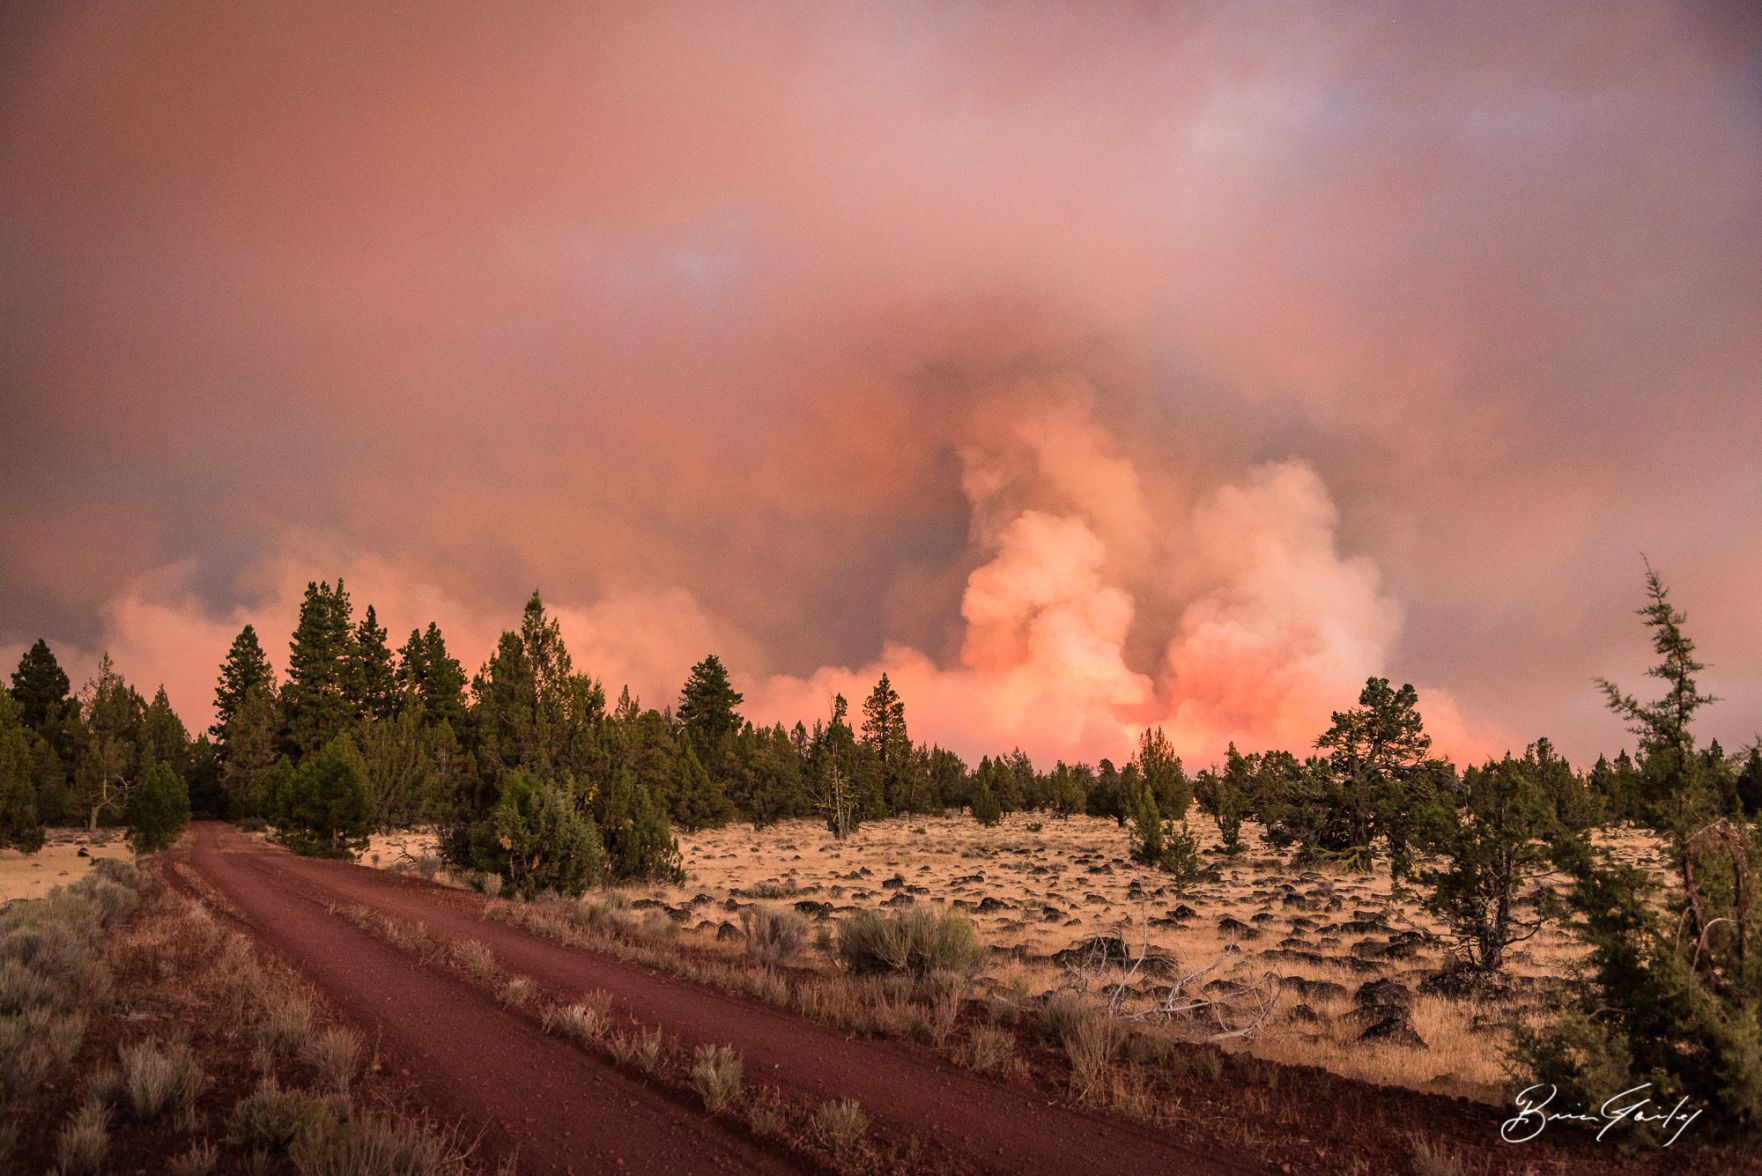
{"x": 57, "y": 863}
{"x": 1041, "y": 891}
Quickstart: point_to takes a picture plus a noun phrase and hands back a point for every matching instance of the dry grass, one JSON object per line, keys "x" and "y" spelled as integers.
{"x": 839, "y": 1125}
{"x": 58, "y": 863}
{"x": 84, "y": 1141}
{"x": 160, "y": 1079}
{"x": 716, "y": 1075}
{"x": 335, "y": 1053}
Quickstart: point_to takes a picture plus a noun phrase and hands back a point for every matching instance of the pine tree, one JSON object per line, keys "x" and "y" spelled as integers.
{"x": 20, "y": 827}
{"x": 158, "y": 810}
{"x": 163, "y": 738}
{"x": 373, "y": 675}
{"x": 884, "y": 734}
{"x": 319, "y": 700}
{"x": 252, "y": 749}
{"x": 39, "y": 685}
{"x": 706, "y": 705}
{"x": 246, "y": 668}
{"x": 428, "y": 674}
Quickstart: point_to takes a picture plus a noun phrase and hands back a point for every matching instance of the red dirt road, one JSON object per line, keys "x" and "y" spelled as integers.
{"x": 472, "y": 1061}
{"x": 480, "y": 1063}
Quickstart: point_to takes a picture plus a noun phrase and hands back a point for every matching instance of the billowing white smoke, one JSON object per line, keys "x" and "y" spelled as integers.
{"x": 1266, "y": 626}
{"x": 1256, "y": 625}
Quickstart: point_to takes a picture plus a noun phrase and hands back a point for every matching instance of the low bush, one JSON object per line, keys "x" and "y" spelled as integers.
{"x": 270, "y": 1119}
{"x": 912, "y": 942}
{"x": 773, "y": 936}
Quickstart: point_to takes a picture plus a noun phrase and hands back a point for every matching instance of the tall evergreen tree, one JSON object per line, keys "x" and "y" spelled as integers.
{"x": 39, "y": 685}
{"x": 1160, "y": 770}
{"x": 373, "y": 676}
{"x": 252, "y": 749}
{"x": 319, "y": 700}
{"x": 163, "y": 738}
{"x": 706, "y": 705}
{"x": 427, "y": 673}
{"x": 108, "y": 763}
{"x": 20, "y": 826}
{"x": 246, "y": 668}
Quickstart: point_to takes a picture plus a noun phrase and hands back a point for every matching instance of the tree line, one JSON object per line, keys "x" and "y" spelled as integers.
{"x": 527, "y": 773}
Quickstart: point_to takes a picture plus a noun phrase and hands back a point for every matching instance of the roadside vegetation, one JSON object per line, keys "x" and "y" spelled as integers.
{"x": 138, "y": 1034}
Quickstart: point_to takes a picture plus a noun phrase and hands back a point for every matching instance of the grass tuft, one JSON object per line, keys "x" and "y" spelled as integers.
{"x": 716, "y": 1075}
{"x": 838, "y": 1125}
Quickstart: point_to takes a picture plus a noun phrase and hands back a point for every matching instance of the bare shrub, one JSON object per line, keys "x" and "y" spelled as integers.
{"x": 716, "y": 1075}
{"x": 838, "y": 1125}
{"x": 773, "y": 936}
{"x": 84, "y": 1141}
{"x": 912, "y": 941}
{"x": 160, "y": 1079}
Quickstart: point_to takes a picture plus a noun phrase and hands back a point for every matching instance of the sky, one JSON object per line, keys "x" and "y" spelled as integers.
{"x": 1083, "y": 367}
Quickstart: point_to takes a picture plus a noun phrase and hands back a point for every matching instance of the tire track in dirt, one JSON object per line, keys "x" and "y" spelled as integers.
{"x": 471, "y": 1060}
{"x": 990, "y": 1125}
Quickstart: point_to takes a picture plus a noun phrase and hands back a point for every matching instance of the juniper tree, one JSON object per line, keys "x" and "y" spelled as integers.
{"x": 158, "y": 810}
{"x": 1497, "y": 844}
{"x": 1671, "y": 990}
{"x": 1160, "y": 770}
{"x": 546, "y": 844}
{"x": 984, "y": 804}
{"x": 322, "y": 807}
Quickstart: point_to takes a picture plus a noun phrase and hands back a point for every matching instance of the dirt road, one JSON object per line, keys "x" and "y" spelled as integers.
{"x": 566, "y": 1111}
{"x": 550, "y": 1105}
